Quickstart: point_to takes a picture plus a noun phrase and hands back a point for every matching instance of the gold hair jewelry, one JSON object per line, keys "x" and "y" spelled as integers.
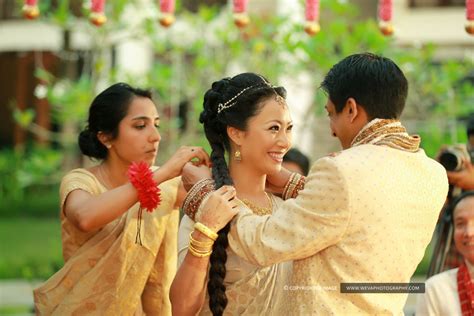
{"x": 206, "y": 230}
{"x": 230, "y": 103}
{"x": 237, "y": 155}
{"x": 281, "y": 100}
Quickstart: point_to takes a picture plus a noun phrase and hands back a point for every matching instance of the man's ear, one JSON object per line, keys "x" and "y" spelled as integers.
{"x": 235, "y": 135}
{"x": 352, "y": 109}
{"x": 105, "y": 139}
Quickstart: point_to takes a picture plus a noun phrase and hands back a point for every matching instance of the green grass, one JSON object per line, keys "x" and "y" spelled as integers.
{"x": 30, "y": 248}
{"x": 16, "y": 310}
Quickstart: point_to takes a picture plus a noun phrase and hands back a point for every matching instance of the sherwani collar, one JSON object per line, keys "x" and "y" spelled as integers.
{"x": 387, "y": 132}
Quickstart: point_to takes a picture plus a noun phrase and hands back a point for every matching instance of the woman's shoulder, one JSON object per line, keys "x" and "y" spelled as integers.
{"x": 79, "y": 178}
{"x": 80, "y": 172}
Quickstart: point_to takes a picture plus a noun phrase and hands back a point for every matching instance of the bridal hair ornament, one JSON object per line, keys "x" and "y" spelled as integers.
{"x": 222, "y": 106}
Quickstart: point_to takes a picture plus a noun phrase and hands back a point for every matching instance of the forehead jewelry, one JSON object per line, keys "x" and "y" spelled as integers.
{"x": 222, "y": 106}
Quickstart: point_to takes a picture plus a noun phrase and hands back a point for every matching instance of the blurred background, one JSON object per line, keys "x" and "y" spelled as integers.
{"x": 53, "y": 66}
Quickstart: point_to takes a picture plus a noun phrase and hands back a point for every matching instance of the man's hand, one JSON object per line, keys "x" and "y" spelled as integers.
{"x": 192, "y": 173}
{"x": 463, "y": 179}
{"x": 219, "y": 209}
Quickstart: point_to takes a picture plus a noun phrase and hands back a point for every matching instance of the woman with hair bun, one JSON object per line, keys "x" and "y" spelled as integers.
{"x": 249, "y": 119}
{"x": 119, "y": 260}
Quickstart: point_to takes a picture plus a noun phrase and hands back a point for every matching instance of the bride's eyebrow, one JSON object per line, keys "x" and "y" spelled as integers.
{"x": 146, "y": 118}
{"x": 280, "y": 122}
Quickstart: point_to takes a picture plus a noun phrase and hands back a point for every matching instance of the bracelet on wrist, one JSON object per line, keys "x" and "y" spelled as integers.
{"x": 206, "y": 231}
{"x": 141, "y": 177}
{"x": 196, "y": 195}
{"x": 204, "y": 244}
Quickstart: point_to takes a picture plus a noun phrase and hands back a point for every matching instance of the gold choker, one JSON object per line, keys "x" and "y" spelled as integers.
{"x": 259, "y": 210}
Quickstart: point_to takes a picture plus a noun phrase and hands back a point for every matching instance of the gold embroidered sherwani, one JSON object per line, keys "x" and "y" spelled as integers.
{"x": 105, "y": 271}
{"x": 365, "y": 215}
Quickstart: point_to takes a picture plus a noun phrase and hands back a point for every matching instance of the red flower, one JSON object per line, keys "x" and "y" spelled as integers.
{"x": 141, "y": 178}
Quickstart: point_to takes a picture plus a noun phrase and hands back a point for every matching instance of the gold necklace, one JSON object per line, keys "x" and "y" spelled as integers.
{"x": 105, "y": 180}
{"x": 259, "y": 210}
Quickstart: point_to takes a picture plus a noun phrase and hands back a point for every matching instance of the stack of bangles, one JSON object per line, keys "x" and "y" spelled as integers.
{"x": 198, "y": 248}
{"x": 293, "y": 186}
{"x": 196, "y": 195}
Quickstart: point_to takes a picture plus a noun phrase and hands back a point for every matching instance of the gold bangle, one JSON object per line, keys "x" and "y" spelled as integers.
{"x": 197, "y": 253}
{"x": 200, "y": 243}
{"x": 299, "y": 186}
{"x": 288, "y": 185}
{"x": 206, "y": 230}
{"x": 200, "y": 251}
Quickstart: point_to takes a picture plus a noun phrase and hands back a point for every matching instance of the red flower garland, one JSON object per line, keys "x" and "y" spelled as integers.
{"x": 470, "y": 17}
{"x": 141, "y": 177}
{"x": 30, "y": 9}
{"x": 312, "y": 17}
{"x": 97, "y": 16}
{"x": 167, "y": 12}
{"x": 385, "y": 17}
{"x": 241, "y": 18}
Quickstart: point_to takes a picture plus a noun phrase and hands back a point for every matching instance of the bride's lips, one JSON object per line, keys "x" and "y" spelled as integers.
{"x": 152, "y": 151}
{"x": 277, "y": 156}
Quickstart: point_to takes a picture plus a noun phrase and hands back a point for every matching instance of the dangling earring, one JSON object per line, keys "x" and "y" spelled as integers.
{"x": 237, "y": 155}
{"x": 108, "y": 146}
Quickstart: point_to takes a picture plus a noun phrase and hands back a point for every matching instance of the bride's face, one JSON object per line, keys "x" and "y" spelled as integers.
{"x": 268, "y": 136}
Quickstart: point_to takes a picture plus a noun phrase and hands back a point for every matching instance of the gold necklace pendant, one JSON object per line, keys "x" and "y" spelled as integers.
{"x": 259, "y": 210}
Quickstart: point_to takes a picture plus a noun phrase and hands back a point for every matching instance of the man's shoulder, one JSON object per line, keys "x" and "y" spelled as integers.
{"x": 371, "y": 158}
{"x": 358, "y": 155}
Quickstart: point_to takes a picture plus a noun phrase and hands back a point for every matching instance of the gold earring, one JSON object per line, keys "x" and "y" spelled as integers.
{"x": 108, "y": 146}
{"x": 237, "y": 155}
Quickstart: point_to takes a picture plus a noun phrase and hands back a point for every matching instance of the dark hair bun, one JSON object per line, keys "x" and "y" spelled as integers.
{"x": 91, "y": 146}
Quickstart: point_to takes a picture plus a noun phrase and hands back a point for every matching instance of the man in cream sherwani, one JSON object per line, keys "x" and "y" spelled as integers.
{"x": 366, "y": 214}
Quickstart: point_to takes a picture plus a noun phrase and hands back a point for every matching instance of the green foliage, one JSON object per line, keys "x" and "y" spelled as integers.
{"x": 24, "y": 118}
{"x": 30, "y": 248}
{"x": 27, "y": 180}
{"x": 70, "y": 99}
{"x": 38, "y": 202}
